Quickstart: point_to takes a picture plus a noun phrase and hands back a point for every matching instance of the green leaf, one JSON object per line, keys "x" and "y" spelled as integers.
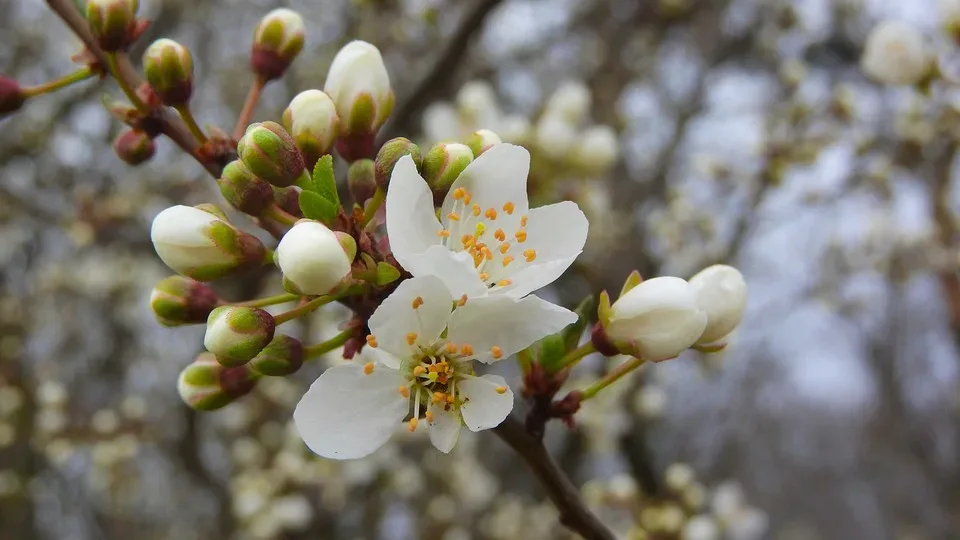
{"x": 315, "y": 206}
{"x": 386, "y": 273}
{"x": 324, "y": 181}
{"x": 552, "y": 350}
{"x": 573, "y": 333}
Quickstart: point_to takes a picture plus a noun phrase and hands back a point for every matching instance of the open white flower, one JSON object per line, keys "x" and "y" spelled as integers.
{"x": 421, "y": 349}
{"x": 487, "y": 238}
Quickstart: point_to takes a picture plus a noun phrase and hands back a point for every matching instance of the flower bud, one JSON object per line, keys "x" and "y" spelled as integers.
{"x": 896, "y": 53}
{"x": 443, "y": 164}
{"x": 514, "y": 129}
{"x": 481, "y": 141}
{"x": 168, "y": 67}
{"x": 281, "y": 357}
{"x": 236, "y": 333}
{"x": 271, "y": 153}
{"x": 311, "y": 118}
{"x": 314, "y": 259}
{"x": 388, "y": 156}
{"x": 134, "y": 146}
{"x": 655, "y": 320}
{"x": 359, "y": 85}
{"x": 12, "y": 96}
{"x": 199, "y": 243}
{"x": 598, "y": 149}
{"x": 476, "y": 100}
{"x": 555, "y": 136}
{"x": 361, "y": 180}
{"x": 722, "y": 294}
{"x": 244, "y": 190}
{"x": 277, "y": 41}
{"x": 570, "y": 101}
{"x": 288, "y": 199}
{"x": 112, "y": 22}
{"x": 177, "y": 300}
{"x": 205, "y": 385}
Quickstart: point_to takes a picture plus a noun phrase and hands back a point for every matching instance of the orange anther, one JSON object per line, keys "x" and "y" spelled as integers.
{"x": 476, "y": 209}
{"x": 368, "y": 368}
{"x": 405, "y": 391}
{"x": 523, "y": 221}
{"x": 466, "y": 240}
{"x": 371, "y": 341}
{"x": 413, "y": 424}
{"x": 462, "y": 301}
{"x": 450, "y": 348}
{"x": 508, "y": 208}
{"x": 453, "y": 216}
{"x": 411, "y": 338}
{"x": 449, "y": 398}
{"x": 439, "y": 397}
{"x": 417, "y": 302}
{"x": 459, "y": 193}
{"x": 466, "y": 349}
{"x": 487, "y": 253}
{"x": 504, "y": 282}
{"x": 429, "y": 416}
{"x": 466, "y": 197}
{"x": 521, "y": 236}
{"x": 500, "y": 235}
{"x": 443, "y": 233}
{"x": 419, "y": 370}
{"x": 501, "y": 389}
{"x": 504, "y": 247}
{"x": 507, "y": 260}
{"x": 484, "y": 276}
{"x": 530, "y": 254}
{"x": 496, "y": 352}
{"x": 490, "y": 213}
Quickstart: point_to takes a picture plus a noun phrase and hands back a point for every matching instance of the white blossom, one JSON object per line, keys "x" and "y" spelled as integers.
{"x": 895, "y": 53}
{"x": 721, "y": 293}
{"x": 312, "y": 258}
{"x": 357, "y": 79}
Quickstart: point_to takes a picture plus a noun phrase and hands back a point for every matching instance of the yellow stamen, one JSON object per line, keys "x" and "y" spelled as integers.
{"x": 521, "y": 236}
{"x": 500, "y": 235}
{"x": 449, "y": 398}
{"x": 476, "y": 209}
{"x": 371, "y": 341}
{"x": 530, "y": 254}
{"x": 405, "y": 391}
{"x": 467, "y": 197}
{"x": 487, "y": 253}
{"x": 411, "y": 338}
{"x": 417, "y": 302}
{"x": 501, "y": 389}
{"x": 504, "y": 282}
{"x": 490, "y": 213}
{"x": 439, "y": 397}
{"x": 523, "y": 221}
{"x": 484, "y": 276}
{"x": 480, "y": 228}
{"x": 504, "y": 247}
{"x": 497, "y": 352}
{"x": 451, "y": 348}
{"x": 443, "y": 233}
{"x": 507, "y": 260}
{"x": 466, "y": 240}
{"x": 466, "y": 349}
{"x": 432, "y": 375}
{"x": 453, "y": 216}
{"x": 419, "y": 370}
{"x": 462, "y": 301}
{"x": 368, "y": 368}
{"x": 508, "y": 208}
{"x": 429, "y": 415}
{"x": 413, "y": 424}
{"x": 459, "y": 193}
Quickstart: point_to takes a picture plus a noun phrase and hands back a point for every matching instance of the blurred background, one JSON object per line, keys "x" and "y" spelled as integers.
{"x": 691, "y": 132}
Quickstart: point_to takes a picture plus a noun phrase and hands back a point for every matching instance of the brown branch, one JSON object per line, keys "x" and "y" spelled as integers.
{"x": 171, "y": 125}
{"x": 574, "y": 514}
{"x": 438, "y": 78}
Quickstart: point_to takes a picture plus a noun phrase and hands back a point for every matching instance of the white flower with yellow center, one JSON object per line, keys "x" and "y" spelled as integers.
{"x": 420, "y": 356}
{"x": 486, "y": 239}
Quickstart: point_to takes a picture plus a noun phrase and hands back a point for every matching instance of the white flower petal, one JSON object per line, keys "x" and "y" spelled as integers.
{"x": 411, "y": 219}
{"x": 534, "y": 277}
{"x": 445, "y": 429}
{"x": 484, "y": 407}
{"x": 556, "y": 231}
{"x": 507, "y": 323}
{"x": 347, "y": 414}
{"x": 456, "y": 270}
{"x": 396, "y": 316}
{"x": 380, "y": 356}
{"x": 498, "y": 176}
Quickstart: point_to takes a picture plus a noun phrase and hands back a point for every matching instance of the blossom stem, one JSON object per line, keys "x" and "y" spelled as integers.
{"x": 253, "y": 97}
{"x": 324, "y": 347}
{"x": 191, "y": 122}
{"x": 612, "y": 377}
{"x": 373, "y": 206}
{"x": 277, "y": 214}
{"x": 56, "y": 84}
{"x": 267, "y": 301}
{"x": 313, "y": 305}
{"x": 573, "y": 357}
{"x": 113, "y": 64}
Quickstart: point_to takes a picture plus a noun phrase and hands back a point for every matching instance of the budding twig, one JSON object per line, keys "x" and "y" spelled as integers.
{"x": 113, "y": 65}
{"x": 246, "y": 114}
{"x": 267, "y": 301}
{"x": 611, "y": 377}
{"x": 313, "y": 351}
{"x": 51, "y": 86}
{"x": 191, "y": 122}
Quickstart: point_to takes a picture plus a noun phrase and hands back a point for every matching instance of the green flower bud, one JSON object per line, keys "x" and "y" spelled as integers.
{"x": 168, "y": 68}
{"x": 277, "y": 41}
{"x": 134, "y": 146}
{"x": 443, "y": 164}
{"x": 112, "y": 22}
{"x": 311, "y": 118}
{"x": 200, "y": 243}
{"x": 244, "y": 190}
{"x": 271, "y": 153}
{"x": 12, "y": 96}
{"x": 236, "y": 334}
{"x": 281, "y": 357}
{"x": 288, "y": 199}
{"x": 205, "y": 385}
{"x": 361, "y": 180}
{"x": 177, "y": 300}
{"x": 390, "y": 153}
{"x": 481, "y": 141}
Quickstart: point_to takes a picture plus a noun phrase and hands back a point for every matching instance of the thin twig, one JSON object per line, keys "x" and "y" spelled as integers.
{"x": 249, "y": 105}
{"x": 574, "y": 513}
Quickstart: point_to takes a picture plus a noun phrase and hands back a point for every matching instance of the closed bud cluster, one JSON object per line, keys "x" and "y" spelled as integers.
{"x": 390, "y": 153}
{"x": 722, "y": 294}
{"x": 134, "y": 146}
{"x": 244, "y": 190}
{"x": 361, "y": 180}
{"x": 312, "y": 121}
{"x": 277, "y": 41}
{"x": 598, "y": 149}
{"x": 281, "y": 357}
{"x": 177, "y": 300}
{"x": 481, "y": 141}
{"x": 205, "y": 385}
{"x": 112, "y": 22}
{"x": 236, "y": 334}
{"x": 314, "y": 259}
{"x": 270, "y": 152}
{"x": 12, "y": 96}
{"x": 359, "y": 85}
{"x": 168, "y": 67}
{"x": 443, "y": 164}
{"x": 198, "y": 242}
{"x": 896, "y": 53}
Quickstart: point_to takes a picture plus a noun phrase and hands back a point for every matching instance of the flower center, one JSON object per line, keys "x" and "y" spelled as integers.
{"x": 497, "y": 253}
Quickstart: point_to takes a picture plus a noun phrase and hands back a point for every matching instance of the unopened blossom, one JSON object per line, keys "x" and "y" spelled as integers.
{"x": 656, "y": 320}
{"x": 570, "y": 101}
{"x": 598, "y": 149}
{"x": 722, "y": 294}
{"x": 487, "y": 239}
{"x": 895, "y": 53}
{"x": 312, "y": 121}
{"x": 555, "y": 136}
{"x": 420, "y": 357}
{"x": 314, "y": 259}
{"x": 359, "y": 85}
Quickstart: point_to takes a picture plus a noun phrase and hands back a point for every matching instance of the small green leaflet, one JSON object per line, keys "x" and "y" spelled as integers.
{"x": 319, "y": 199}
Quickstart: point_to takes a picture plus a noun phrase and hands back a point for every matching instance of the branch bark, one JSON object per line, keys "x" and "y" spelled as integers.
{"x": 574, "y": 513}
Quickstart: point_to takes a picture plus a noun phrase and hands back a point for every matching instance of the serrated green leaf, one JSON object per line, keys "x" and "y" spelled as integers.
{"x": 386, "y": 273}
{"x": 315, "y": 206}
{"x": 324, "y": 181}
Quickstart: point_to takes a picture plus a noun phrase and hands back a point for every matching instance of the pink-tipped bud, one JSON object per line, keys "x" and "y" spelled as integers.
{"x": 277, "y": 41}
{"x": 168, "y": 67}
{"x": 281, "y": 357}
{"x": 244, "y": 190}
{"x": 236, "y": 333}
{"x": 205, "y": 385}
{"x": 134, "y": 146}
{"x": 388, "y": 156}
{"x": 177, "y": 300}
{"x": 12, "y": 96}
{"x": 271, "y": 153}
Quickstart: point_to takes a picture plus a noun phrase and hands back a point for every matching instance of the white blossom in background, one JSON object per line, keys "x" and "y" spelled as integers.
{"x": 896, "y": 53}
{"x": 487, "y": 238}
{"x": 421, "y": 353}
